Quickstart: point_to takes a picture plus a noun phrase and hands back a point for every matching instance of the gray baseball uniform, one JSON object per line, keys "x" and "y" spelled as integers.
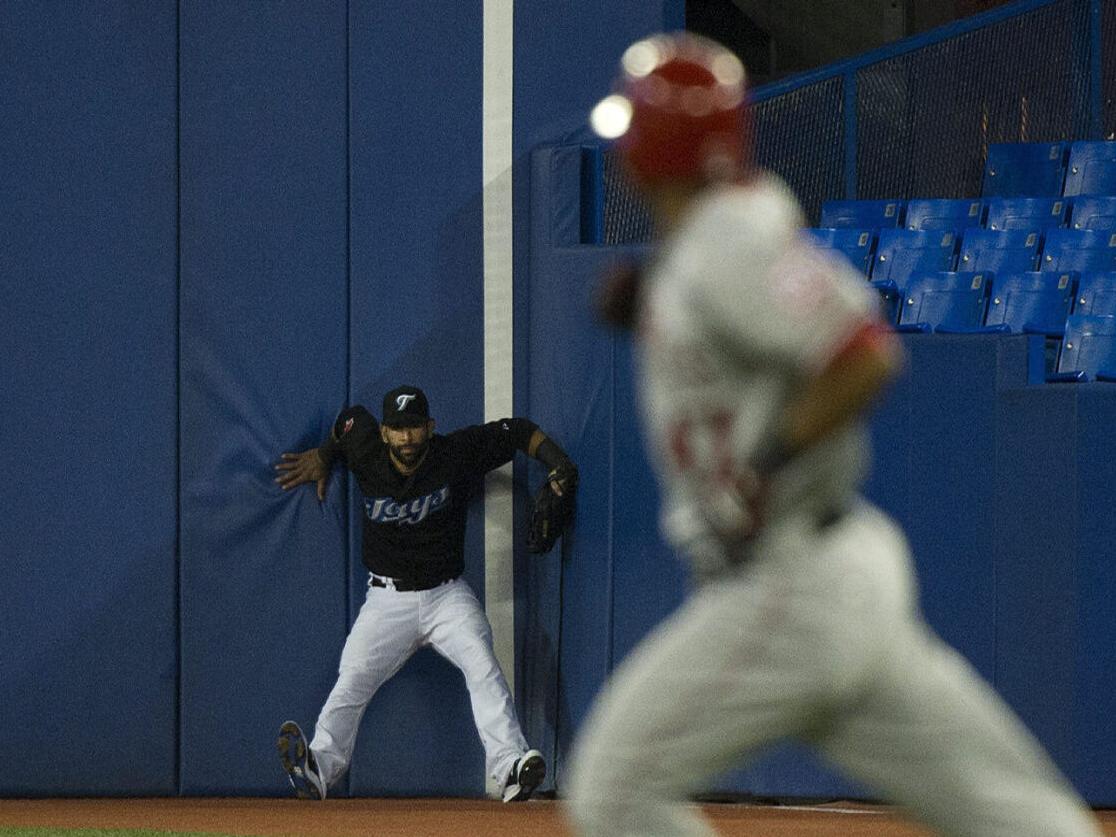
{"x": 811, "y": 631}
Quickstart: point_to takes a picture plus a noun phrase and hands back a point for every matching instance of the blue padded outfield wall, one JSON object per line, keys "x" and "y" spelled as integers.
{"x": 224, "y": 221}
{"x": 88, "y": 646}
{"x": 263, "y": 114}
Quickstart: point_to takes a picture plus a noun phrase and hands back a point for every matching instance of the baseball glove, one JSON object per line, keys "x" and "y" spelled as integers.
{"x": 551, "y": 513}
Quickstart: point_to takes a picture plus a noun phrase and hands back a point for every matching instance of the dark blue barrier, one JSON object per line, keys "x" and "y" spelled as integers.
{"x": 565, "y": 57}
{"x": 87, "y": 360}
{"x": 1054, "y": 609}
{"x": 417, "y": 316}
{"x": 263, "y": 369}
{"x": 935, "y": 470}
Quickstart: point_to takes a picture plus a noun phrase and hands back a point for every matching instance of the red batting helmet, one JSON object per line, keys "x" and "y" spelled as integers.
{"x": 679, "y": 110}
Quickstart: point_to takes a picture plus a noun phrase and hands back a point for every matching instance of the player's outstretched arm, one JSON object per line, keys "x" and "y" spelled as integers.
{"x": 305, "y": 466}
{"x": 844, "y": 390}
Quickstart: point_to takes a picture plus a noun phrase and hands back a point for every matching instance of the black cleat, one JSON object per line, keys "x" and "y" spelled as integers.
{"x": 526, "y": 774}
{"x": 299, "y": 763}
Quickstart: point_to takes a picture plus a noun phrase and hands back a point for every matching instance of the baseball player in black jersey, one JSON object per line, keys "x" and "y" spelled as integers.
{"x": 416, "y": 485}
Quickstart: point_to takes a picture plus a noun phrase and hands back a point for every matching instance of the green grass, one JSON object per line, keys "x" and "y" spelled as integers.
{"x": 100, "y": 832}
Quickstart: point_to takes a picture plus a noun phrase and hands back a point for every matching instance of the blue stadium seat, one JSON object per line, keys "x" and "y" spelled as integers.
{"x": 1093, "y": 212}
{"x": 943, "y": 214}
{"x": 1017, "y": 169}
{"x": 1089, "y": 350}
{"x": 890, "y": 297}
{"x": 1031, "y": 302}
{"x": 861, "y": 215}
{"x": 1091, "y": 169}
{"x": 1080, "y": 250}
{"x": 945, "y": 301}
{"x": 1028, "y": 214}
{"x": 900, "y": 253}
{"x": 855, "y": 245}
{"x": 1001, "y": 251}
{"x": 1096, "y": 294}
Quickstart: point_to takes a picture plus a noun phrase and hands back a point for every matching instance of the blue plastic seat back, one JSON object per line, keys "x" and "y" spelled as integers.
{"x": 943, "y": 214}
{"x": 946, "y": 300}
{"x": 855, "y": 245}
{"x": 1024, "y": 169}
{"x": 1089, "y": 346}
{"x": 890, "y": 298}
{"x": 1091, "y": 169}
{"x": 1093, "y": 212}
{"x": 901, "y": 253}
{"x": 1028, "y": 214}
{"x": 1000, "y": 251}
{"x": 1032, "y": 302}
{"x": 1080, "y": 250}
{"x": 861, "y": 215}
{"x": 1096, "y": 294}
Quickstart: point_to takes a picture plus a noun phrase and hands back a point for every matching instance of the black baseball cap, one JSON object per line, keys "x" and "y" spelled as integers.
{"x": 405, "y": 406}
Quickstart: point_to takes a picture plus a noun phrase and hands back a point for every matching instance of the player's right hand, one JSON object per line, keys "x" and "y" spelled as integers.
{"x": 736, "y": 506}
{"x": 306, "y": 466}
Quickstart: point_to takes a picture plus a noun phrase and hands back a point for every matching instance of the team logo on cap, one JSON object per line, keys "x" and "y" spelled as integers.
{"x": 401, "y": 401}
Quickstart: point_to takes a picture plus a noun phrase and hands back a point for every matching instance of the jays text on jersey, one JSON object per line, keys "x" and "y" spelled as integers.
{"x": 414, "y": 526}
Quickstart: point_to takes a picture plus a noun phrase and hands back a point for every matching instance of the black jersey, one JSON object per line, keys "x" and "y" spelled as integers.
{"x": 414, "y": 526}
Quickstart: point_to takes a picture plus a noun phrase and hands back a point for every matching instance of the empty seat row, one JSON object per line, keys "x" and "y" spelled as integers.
{"x": 1033, "y": 302}
{"x": 898, "y": 253}
{"x": 1091, "y": 212}
{"x": 1050, "y": 169}
{"x": 1077, "y": 315}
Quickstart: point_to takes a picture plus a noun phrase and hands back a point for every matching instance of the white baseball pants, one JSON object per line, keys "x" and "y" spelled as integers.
{"x": 818, "y": 640}
{"x": 390, "y": 627}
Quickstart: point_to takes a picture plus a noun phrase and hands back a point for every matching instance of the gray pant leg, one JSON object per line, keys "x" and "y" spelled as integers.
{"x": 932, "y": 736}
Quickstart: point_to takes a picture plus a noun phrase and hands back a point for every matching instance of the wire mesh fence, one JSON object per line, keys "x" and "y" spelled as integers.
{"x": 1108, "y": 69}
{"x": 924, "y": 118}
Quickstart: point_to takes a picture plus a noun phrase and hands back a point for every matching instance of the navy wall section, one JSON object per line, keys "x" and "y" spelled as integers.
{"x": 87, "y": 365}
{"x": 263, "y": 366}
{"x": 417, "y": 317}
{"x": 565, "y": 58}
{"x": 320, "y": 240}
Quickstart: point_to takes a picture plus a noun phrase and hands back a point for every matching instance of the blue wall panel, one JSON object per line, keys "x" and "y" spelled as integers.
{"x": 417, "y": 317}
{"x": 650, "y": 580}
{"x": 1036, "y": 561}
{"x": 950, "y": 519}
{"x": 565, "y": 57}
{"x": 263, "y": 161}
{"x": 1093, "y": 768}
{"x": 87, "y": 354}
{"x": 579, "y": 409}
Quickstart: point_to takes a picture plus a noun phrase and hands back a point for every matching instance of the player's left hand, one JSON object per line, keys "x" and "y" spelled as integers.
{"x": 552, "y": 508}
{"x": 305, "y": 466}
{"x": 563, "y": 478}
